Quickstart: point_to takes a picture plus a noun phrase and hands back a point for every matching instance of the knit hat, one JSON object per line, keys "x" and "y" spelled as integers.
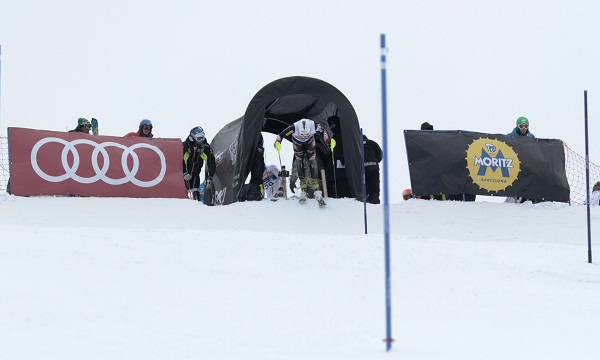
{"x": 82, "y": 121}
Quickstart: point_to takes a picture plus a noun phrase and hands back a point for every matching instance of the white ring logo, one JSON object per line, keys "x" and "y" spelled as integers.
{"x": 70, "y": 172}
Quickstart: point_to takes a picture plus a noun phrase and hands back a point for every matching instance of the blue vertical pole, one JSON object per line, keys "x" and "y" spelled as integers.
{"x": 0, "y": 85}
{"x": 587, "y": 178}
{"x": 386, "y": 205}
{"x": 364, "y": 182}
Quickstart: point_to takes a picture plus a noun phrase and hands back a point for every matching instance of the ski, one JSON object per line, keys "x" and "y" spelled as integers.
{"x": 94, "y": 126}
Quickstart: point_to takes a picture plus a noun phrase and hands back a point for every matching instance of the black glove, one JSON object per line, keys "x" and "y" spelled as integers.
{"x": 292, "y": 186}
{"x": 209, "y": 184}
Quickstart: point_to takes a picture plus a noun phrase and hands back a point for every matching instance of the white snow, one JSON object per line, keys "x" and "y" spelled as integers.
{"x": 114, "y": 278}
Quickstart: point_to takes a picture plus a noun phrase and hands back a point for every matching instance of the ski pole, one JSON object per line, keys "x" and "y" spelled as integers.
{"x": 333, "y": 164}
{"x": 283, "y": 172}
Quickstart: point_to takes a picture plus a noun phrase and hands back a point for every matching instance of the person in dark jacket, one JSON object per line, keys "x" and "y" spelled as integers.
{"x": 456, "y": 197}
{"x": 83, "y": 125}
{"x": 253, "y": 191}
{"x": 427, "y": 126}
{"x": 196, "y": 151}
{"x": 373, "y": 156}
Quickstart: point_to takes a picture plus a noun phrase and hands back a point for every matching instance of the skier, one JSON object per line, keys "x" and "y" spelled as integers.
{"x": 83, "y": 125}
{"x": 522, "y": 128}
{"x": 303, "y": 140}
{"x": 145, "y": 130}
{"x": 196, "y": 151}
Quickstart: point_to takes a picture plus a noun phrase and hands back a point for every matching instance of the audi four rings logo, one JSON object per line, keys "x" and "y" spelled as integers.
{"x": 70, "y": 171}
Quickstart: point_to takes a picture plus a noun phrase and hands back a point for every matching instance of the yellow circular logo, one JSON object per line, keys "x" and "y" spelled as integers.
{"x": 492, "y": 164}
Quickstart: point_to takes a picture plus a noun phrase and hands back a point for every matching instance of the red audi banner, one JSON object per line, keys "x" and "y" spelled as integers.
{"x": 73, "y": 163}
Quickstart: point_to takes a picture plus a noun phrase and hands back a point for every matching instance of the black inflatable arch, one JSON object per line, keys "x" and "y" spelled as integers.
{"x": 282, "y": 102}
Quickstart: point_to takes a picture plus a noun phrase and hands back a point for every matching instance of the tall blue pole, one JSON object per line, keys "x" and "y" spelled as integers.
{"x": 386, "y": 204}
{"x": 364, "y": 184}
{"x": 587, "y": 178}
{"x": 0, "y": 86}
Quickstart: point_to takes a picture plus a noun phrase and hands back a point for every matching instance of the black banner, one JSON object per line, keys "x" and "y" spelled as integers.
{"x": 456, "y": 162}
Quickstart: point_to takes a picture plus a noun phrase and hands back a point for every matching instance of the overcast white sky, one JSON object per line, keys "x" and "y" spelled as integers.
{"x": 466, "y": 64}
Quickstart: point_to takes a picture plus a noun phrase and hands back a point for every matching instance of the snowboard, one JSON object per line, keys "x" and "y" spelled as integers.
{"x": 94, "y": 126}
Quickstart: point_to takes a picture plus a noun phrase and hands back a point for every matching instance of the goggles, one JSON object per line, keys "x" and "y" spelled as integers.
{"x": 198, "y": 134}
{"x": 87, "y": 126}
{"x": 523, "y": 126}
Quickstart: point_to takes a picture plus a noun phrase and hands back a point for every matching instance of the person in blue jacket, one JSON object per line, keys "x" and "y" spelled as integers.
{"x": 522, "y": 128}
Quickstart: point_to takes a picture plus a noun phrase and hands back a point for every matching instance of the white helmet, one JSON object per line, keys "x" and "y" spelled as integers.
{"x": 197, "y": 134}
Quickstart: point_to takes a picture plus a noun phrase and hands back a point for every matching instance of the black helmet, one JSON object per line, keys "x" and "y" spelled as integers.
{"x": 143, "y": 123}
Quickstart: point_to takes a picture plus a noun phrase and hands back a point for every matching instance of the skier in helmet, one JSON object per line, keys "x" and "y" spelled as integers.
{"x": 196, "y": 151}
{"x": 302, "y": 133}
{"x": 145, "y": 130}
{"x": 522, "y": 128}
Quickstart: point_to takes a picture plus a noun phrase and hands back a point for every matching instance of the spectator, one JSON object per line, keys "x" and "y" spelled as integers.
{"x": 254, "y": 191}
{"x": 595, "y": 197}
{"x": 407, "y": 194}
{"x": 522, "y": 128}
{"x": 196, "y": 151}
{"x": 303, "y": 140}
{"x": 83, "y": 125}
{"x": 457, "y": 197}
{"x": 145, "y": 130}
{"x": 373, "y": 156}
{"x": 426, "y": 126}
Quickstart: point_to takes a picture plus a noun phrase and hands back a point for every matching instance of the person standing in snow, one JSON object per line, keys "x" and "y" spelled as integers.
{"x": 302, "y": 133}
{"x": 373, "y": 156}
{"x": 522, "y": 128}
{"x": 145, "y": 130}
{"x": 196, "y": 151}
{"x": 428, "y": 127}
